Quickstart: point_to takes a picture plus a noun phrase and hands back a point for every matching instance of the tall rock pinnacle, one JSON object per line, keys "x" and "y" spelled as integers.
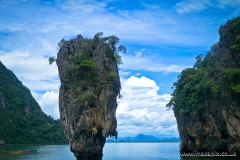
{"x": 89, "y": 88}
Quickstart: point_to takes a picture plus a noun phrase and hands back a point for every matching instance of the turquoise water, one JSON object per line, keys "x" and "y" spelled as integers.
{"x": 111, "y": 151}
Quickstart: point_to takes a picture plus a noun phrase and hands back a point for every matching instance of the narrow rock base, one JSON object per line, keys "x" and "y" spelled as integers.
{"x": 89, "y": 157}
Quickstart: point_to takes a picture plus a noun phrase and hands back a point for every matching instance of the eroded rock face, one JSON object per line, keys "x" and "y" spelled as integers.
{"x": 89, "y": 88}
{"x": 217, "y": 128}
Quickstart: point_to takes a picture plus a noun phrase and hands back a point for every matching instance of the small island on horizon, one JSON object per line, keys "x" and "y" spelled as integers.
{"x": 143, "y": 138}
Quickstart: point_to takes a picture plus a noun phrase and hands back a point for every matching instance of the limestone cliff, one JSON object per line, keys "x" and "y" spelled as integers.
{"x": 206, "y": 99}
{"x": 89, "y": 88}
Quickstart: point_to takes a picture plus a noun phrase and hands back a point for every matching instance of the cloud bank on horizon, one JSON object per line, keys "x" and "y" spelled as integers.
{"x": 162, "y": 38}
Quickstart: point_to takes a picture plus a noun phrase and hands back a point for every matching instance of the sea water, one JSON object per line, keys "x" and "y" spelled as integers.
{"x": 111, "y": 151}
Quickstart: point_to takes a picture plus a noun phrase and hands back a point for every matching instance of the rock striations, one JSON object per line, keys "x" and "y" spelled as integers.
{"x": 89, "y": 88}
{"x": 206, "y": 100}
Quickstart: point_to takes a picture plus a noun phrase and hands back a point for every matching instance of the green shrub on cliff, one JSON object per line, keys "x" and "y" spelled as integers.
{"x": 195, "y": 85}
{"x": 81, "y": 66}
{"x": 51, "y": 60}
{"x": 60, "y": 43}
{"x": 207, "y": 82}
{"x": 112, "y": 42}
{"x": 233, "y": 76}
{"x": 111, "y": 76}
{"x": 232, "y": 30}
{"x": 236, "y": 46}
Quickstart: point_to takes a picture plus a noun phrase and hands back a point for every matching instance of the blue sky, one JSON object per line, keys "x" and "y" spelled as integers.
{"x": 162, "y": 38}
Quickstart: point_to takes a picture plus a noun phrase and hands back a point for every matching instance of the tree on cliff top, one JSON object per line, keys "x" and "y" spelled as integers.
{"x": 51, "y": 60}
{"x": 112, "y": 41}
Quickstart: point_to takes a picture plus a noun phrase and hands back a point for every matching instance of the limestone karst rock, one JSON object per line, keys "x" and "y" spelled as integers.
{"x": 206, "y": 100}
{"x": 88, "y": 94}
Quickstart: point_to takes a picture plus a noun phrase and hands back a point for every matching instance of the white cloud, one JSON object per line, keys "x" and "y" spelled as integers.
{"x": 123, "y": 73}
{"x": 67, "y": 19}
{"x": 139, "y": 53}
{"x": 32, "y": 69}
{"x": 149, "y": 63}
{"x": 36, "y": 95}
{"x": 187, "y": 6}
{"x": 142, "y": 110}
{"x": 49, "y": 103}
{"x": 138, "y": 74}
{"x": 32, "y": 30}
{"x": 224, "y": 3}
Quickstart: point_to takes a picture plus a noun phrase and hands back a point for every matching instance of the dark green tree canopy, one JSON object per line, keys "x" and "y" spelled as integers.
{"x": 51, "y": 60}
{"x": 22, "y": 120}
{"x": 112, "y": 41}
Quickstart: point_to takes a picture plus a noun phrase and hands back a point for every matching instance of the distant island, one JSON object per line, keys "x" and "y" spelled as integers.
{"x": 143, "y": 138}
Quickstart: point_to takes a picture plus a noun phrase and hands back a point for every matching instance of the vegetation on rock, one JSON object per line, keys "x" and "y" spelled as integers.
{"x": 112, "y": 42}
{"x": 51, "y": 60}
{"x": 22, "y": 121}
{"x": 90, "y": 84}
{"x": 206, "y": 98}
{"x": 195, "y": 86}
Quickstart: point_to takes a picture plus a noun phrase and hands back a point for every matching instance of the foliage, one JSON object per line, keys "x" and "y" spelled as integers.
{"x": 98, "y": 35}
{"x": 188, "y": 92}
{"x": 86, "y": 96}
{"x": 22, "y": 121}
{"x": 112, "y": 42}
{"x": 195, "y": 86}
{"x": 51, "y": 60}
{"x": 236, "y": 46}
{"x": 233, "y": 76}
{"x": 111, "y": 76}
{"x": 60, "y": 43}
{"x": 118, "y": 59}
{"x": 233, "y": 29}
{"x": 78, "y": 58}
{"x": 199, "y": 59}
{"x": 82, "y": 67}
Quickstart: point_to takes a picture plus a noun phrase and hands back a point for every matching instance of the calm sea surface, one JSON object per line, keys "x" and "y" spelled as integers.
{"x": 111, "y": 151}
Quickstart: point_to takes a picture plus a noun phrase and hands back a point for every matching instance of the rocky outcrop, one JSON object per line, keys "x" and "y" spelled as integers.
{"x": 21, "y": 117}
{"x": 90, "y": 85}
{"x": 210, "y": 119}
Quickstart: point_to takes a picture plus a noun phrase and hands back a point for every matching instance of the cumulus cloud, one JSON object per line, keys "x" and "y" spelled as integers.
{"x": 30, "y": 31}
{"x": 49, "y": 103}
{"x": 36, "y": 95}
{"x": 141, "y": 109}
{"x": 32, "y": 69}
